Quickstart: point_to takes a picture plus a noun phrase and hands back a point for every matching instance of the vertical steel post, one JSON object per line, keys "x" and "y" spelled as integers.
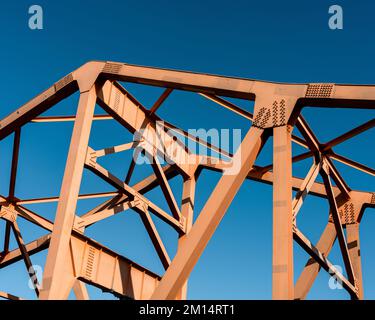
{"x": 352, "y": 233}
{"x": 282, "y": 262}
{"x": 187, "y": 210}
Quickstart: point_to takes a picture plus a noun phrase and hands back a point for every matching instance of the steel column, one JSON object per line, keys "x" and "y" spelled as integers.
{"x": 187, "y": 210}
{"x": 352, "y": 234}
{"x": 282, "y": 262}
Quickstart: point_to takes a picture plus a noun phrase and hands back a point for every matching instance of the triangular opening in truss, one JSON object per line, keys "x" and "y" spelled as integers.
{"x": 328, "y": 123}
{"x": 197, "y": 112}
{"x": 145, "y": 94}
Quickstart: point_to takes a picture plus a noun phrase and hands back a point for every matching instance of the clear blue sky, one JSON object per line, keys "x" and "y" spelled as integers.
{"x": 286, "y": 41}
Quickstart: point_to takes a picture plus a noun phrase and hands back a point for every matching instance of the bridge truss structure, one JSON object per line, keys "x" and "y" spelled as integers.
{"x": 74, "y": 260}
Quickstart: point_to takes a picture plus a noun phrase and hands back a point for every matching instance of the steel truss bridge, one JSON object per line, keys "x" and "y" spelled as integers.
{"x": 75, "y": 260}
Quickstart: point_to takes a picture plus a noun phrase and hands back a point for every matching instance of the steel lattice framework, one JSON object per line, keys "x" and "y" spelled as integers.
{"x": 74, "y": 259}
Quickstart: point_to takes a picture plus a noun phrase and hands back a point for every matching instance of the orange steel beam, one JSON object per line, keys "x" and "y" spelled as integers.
{"x": 26, "y": 257}
{"x": 356, "y": 204}
{"x": 59, "y": 248}
{"x": 9, "y": 296}
{"x": 352, "y": 231}
{"x": 305, "y": 188}
{"x": 32, "y": 247}
{"x": 324, "y": 263}
{"x": 74, "y": 260}
{"x": 167, "y": 125}
{"x": 282, "y": 260}
{"x": 187, "y": 211}
{"x": 350, "y": 134}
{"x": 312, "y": 267}
{"x": 130, "y": 192}
{"x": 165, "y": 187}
{"x": 54, "y": 199}
{"x": 325, "y": 172}
{"x": 67, "y": 118}
{"x": 329, "y": 95}
{"x": 247, "y": 115}
{"x": 352, "y": 163}
{"x": 127, "y": 284}
{"x": 13, "y": 173}
{"x": 7, "y": 236}
{"x": 131, "y": 167}
{"x": 208, "y": 219}
{"x": 160, "y": 101}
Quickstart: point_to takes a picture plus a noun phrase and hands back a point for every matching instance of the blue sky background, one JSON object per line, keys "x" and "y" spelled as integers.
{"x": 286, "y": 41}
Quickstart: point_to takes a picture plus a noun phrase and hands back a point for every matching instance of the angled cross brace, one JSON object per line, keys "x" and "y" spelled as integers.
{"x": 33, "y": 247}
{"x": 26, "y": 257}
{"x": 351, "y": 163}
{"x": 132, "y": 166}
{"x": 209, "y": 218}
{"x": 13, "y": 173}
{"x": 160, "y": 101}
{"x": 7, "y": 236}
{"x": 357, "y": 204}
{"x": 350, "y": 134}
{"x": 316, "y": 147}
{"x": 308, "y": 134}
{"x": 141, "y": 187}
{"x": 93, "y": 166}
{"x": 257, "y": 174}
{"x": 105, "y": 213}
{"x": 115, "y": 149}
{"x": 337, "y": 221}
{"x": 312, "y": 267}
{"x": 305, "y": 188}
{"x": 323, "y": 262}
{"x": 167, "y": 191}
{"x": 141, "y": 206}
{"x": 127, "y": 111}
{"x": 54, "y": 279}
{"x": 155, "y": 238}
{"x": 9, "y": 296}
{"x": 333, "y": 172}
{"x": 325, "y": 244}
